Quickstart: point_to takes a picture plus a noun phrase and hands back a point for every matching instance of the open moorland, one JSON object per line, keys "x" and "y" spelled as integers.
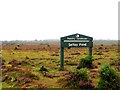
{"x": 38, "y": 66}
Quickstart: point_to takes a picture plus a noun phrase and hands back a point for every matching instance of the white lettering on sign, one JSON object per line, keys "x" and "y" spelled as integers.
{"x": 76, "y": 40}
{"x": 77, "y": 44}
{"x": 82, "y": 38}
{"x": 72, "y": 44}
{"x": 82, "y": 44}
{"x": 68, "y": 38}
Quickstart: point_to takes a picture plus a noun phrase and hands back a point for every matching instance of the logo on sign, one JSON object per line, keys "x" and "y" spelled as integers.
{"x": 77, "y": 36}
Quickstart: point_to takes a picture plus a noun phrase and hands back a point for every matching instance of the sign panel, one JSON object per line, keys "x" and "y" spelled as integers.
{"x": 76, "y": 40}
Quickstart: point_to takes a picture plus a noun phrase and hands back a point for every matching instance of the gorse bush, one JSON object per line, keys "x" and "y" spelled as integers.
{"x": 108, "y": 77}
{"x": 78, "y": 79}
{"x": 86, "y": 62}
{"x": 82, "y": 74}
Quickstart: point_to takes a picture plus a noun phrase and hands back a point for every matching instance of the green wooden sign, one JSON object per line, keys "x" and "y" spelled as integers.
{"x": 75, "y": 40}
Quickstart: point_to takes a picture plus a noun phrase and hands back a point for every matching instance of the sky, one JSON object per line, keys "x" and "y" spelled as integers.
{"x": 52, "y": 19}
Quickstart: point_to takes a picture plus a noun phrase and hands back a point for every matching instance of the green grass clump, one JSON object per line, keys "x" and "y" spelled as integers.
{"x": 108, "y": 77}
{"x": 82, "y": 74}
{"x": 78, "y": 79}
{"x": 43, "y": 69}
{"x": 86, "y": 62}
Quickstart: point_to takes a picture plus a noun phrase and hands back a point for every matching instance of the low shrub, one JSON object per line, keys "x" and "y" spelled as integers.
{"x": 86, "y": 62}
{"x": 78, "y": 79}
{"x": 43, "y": 69}
{"x": 108, "y": 77}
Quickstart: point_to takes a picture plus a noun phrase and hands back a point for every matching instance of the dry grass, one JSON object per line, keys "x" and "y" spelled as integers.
{"x": 32, "y": 57}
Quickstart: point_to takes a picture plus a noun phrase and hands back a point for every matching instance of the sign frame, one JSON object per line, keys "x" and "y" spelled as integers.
{"x": 74, "y": 41}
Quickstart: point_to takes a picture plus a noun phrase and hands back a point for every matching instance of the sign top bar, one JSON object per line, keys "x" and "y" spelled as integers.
{"x": 77, "y": 37}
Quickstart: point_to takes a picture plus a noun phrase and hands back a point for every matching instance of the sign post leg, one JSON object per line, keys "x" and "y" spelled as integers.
{"x": 62, "y": 57}
{"x": 90, "y": 51}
